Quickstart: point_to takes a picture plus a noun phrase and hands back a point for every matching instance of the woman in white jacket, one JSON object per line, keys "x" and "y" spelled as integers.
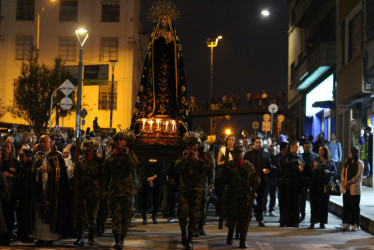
{"x": 351, "y": 177}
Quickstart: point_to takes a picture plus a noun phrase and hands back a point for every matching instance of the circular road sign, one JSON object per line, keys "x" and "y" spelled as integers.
{"x": 273, "y": 108}
{"x": 66, "y": 103}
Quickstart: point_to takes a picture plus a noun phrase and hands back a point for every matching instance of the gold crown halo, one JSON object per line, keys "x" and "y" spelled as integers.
{"x": 163, "y": 8}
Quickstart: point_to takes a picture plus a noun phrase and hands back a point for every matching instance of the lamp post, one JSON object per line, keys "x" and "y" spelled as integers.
{"x": 38, "y": 30}
{"x": 113, "y": 63}
{"x": 211, "y": 43}
{"x": 82, "y": 37}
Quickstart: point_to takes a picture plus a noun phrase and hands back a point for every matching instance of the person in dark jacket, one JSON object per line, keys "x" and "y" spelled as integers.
{"x": 324, "y": 169}
{"x": 271, "y": 187}
{"x": 4, "y": 237}
{"x": 261, "y": 161}
{"x": 280, "y": 181}
{"x": 293, "y": 166}
{"x": 25, "y": 156}
{"x": 10, "y": 166}
{"x": 308, "y": 156}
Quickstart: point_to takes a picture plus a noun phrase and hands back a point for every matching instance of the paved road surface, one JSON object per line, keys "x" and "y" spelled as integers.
{"x": 167, "y": 236}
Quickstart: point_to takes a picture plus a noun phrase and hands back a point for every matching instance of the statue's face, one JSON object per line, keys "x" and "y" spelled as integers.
{"x": 163, "y": 21}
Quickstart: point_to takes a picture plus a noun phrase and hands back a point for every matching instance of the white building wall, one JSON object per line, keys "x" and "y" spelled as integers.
{"x": 89, "y": 17}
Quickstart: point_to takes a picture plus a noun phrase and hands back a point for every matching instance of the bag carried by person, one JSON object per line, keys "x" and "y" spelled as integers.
{"x": 332, "y": 188}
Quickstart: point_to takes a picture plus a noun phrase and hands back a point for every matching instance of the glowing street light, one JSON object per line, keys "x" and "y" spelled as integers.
{"x": 228, "y": 131}
{"x": 82, "y": 36}
{"x": 265, "y": 12}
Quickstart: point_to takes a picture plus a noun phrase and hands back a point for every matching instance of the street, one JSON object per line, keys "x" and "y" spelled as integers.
{"x": 166, "y": 235}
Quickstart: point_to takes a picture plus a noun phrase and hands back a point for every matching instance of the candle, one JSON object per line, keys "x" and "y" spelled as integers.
{"x": 144, "y": 120}
{"x": 173, "y": 126}
{"x": 150, "y": 125}
{"x": 158, "y": 124}
{"x": 166, "y": 126}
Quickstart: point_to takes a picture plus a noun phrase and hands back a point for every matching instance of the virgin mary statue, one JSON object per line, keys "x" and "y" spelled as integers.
{"x": 162, "y": 91}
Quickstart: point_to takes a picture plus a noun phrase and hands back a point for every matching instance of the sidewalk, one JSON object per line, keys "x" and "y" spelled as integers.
{"x": 366, "y": 207}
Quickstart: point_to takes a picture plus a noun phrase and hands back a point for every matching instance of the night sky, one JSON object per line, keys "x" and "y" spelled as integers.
{"x": 252, "y": 55}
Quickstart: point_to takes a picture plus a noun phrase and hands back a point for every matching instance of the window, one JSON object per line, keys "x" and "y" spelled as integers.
{"x": 104, "y": 96}
{"x": 109, "y": 49}
{"x": 25, "y": 10}
{"x": 68, "y": 10}
{"x": 110, "y": 11}
{"x": 66, "y": 48}
{"x": 24, "y": 47}
{"x": 292, "y": 74}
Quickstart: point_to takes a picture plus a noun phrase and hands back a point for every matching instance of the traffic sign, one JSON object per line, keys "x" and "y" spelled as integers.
{"x": 280, "y": 118}
{"x": 266, "y": 126}
{"x": 266, "y": 117}
{"x": 66, "y": 103}
{"x": 273, "y": 108}
{"x": 66, "y": 87}
{"x": 83, "y": 113}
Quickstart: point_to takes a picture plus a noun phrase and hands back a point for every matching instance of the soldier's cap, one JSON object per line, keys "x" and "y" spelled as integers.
{"x": 88, "y": 145}
{"x": 126, "y": 134}
{"x": 238, "y": 149}
{"x": 191, "y": 139}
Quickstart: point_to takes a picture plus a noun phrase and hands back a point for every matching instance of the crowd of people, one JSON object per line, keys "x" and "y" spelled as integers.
{"x": 39, "y": 177}
{"x": 226, "y": 102}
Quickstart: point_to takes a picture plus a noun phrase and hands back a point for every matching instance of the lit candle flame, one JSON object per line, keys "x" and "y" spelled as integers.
{"x": 144, "y": 120}
{"x": 173, "y": 126}
{"x": 150, "y": 125}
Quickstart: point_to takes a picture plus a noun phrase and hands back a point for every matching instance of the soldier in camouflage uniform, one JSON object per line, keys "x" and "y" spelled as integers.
{"x": 89, "y": 171}
{"x": 209, "y": 163}
{"x": 238, "y": 178}
{"x": 119, "y": 168}
{"x": 191, "y": 175}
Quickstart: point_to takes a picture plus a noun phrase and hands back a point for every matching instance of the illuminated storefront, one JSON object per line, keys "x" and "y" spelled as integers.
{"x": 318, "y": 104}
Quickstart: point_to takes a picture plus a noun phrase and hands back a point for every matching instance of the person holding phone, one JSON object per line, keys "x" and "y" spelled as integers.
{"x": 324, "y": 168}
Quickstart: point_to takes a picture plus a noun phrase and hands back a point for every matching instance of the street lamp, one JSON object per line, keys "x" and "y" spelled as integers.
{"x": 211, "y": 43}
{"x": 82, "y": 37}
{"x": 38, "y": 29}
{"x": 113, "y": 63}
{"x": 265, "y": 12}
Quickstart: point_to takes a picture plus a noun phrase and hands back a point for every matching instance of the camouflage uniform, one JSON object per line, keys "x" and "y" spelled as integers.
{"x": 90, "y": 184}
{"x": 191, "y": 176}
{"x": 238, "y": 180}
{"x": 209, "y": 167}
{"x": 119, "y": 170}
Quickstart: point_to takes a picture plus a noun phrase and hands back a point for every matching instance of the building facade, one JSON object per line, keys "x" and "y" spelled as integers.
{"x": 311, "y": 64}
{"x": 331, "y": 69}
{"x": 113, "y": 34}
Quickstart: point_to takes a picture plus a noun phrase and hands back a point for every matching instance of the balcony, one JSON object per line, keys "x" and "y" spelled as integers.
{"x": 321, "y": 59}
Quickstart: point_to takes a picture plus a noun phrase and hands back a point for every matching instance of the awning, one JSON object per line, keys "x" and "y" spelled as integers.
{"x": 363, "y": 98}
{"x": 324, "y": 104}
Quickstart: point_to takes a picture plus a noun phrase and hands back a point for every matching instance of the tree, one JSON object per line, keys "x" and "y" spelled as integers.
{"x": 33, "y": 90}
